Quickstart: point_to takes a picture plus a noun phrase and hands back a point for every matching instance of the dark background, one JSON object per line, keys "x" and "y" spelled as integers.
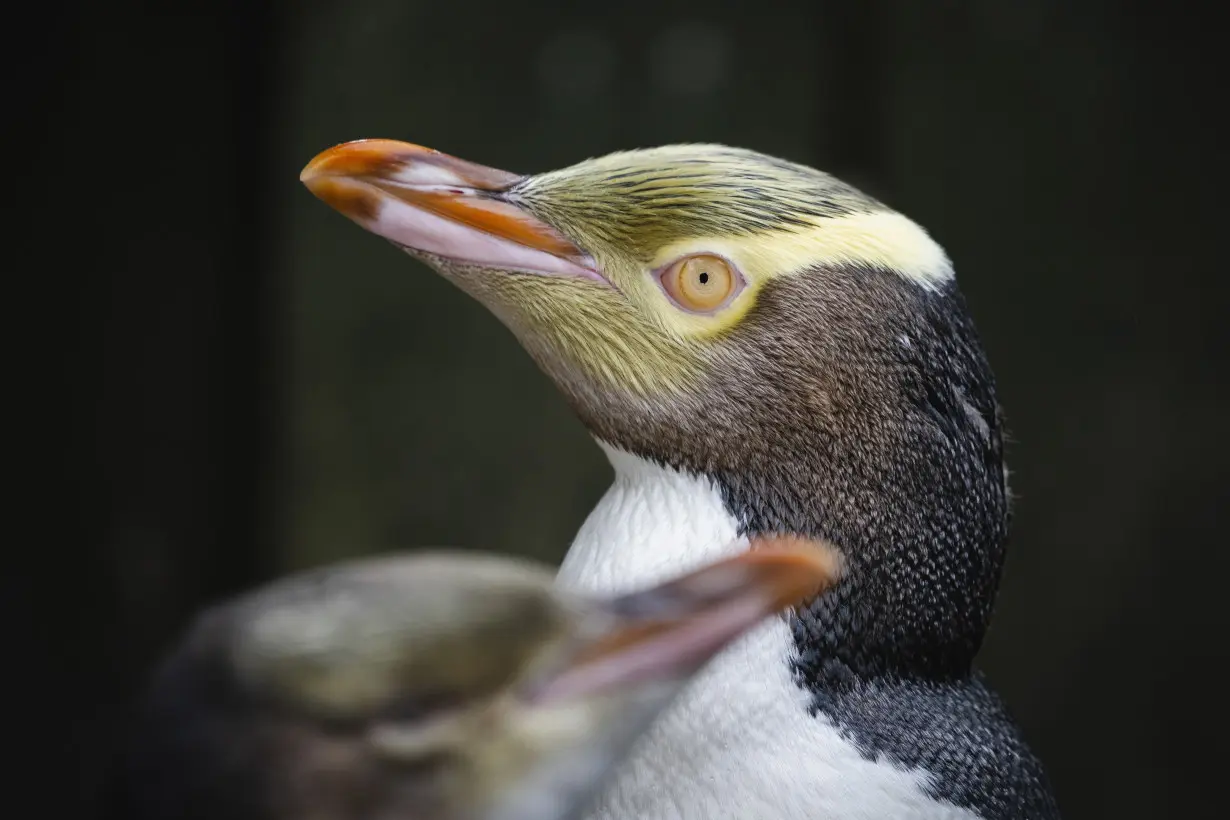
{"x": 246, "y": 383}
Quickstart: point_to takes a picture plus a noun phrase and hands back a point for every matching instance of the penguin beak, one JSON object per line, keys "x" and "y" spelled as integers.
{"x": 438, "y": 204}
{"x": 668, "y": 632}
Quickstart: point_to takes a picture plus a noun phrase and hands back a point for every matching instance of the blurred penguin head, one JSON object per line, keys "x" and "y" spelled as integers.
{"x": 448, "y": 686}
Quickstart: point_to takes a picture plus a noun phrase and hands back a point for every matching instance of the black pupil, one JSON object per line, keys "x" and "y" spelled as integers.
{"x": 704, "y": 277}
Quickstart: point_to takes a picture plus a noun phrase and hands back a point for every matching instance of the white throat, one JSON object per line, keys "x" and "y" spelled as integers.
{"x": 652, "y": 523}
{"x": 739, "y": 743}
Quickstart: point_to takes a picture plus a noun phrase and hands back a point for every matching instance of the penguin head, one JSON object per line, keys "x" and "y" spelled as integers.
{"x": 443, "y": 685}
{"x": 666, "y": 279}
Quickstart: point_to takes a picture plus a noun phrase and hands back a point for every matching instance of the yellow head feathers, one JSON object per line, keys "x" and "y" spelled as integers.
{"x": 639, "y": 212}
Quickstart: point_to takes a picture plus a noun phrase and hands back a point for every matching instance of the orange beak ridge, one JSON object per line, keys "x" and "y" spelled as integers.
{"x": 441, "y": 205}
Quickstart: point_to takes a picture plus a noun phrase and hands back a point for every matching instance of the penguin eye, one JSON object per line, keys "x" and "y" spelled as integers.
{"x": 701, "y": 283}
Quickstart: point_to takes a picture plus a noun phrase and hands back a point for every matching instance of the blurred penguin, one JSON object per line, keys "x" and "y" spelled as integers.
{"x": 442, "y": 685}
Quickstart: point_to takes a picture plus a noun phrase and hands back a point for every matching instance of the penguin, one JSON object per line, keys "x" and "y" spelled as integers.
{"x": 759, "y": 348}
{"x": 436, "y": 685}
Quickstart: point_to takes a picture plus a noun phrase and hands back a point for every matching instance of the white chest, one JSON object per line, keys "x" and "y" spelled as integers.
{"x": 738, "y": 744}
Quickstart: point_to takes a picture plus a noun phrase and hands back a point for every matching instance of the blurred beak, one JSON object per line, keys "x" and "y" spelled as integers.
{"x": 668, "y": 632}
{"x": 431, "y": 202}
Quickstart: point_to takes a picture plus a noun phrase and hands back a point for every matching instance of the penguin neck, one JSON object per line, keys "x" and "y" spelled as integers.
{"x": 913, "y": 603}
{"x": 739, "y": 740}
